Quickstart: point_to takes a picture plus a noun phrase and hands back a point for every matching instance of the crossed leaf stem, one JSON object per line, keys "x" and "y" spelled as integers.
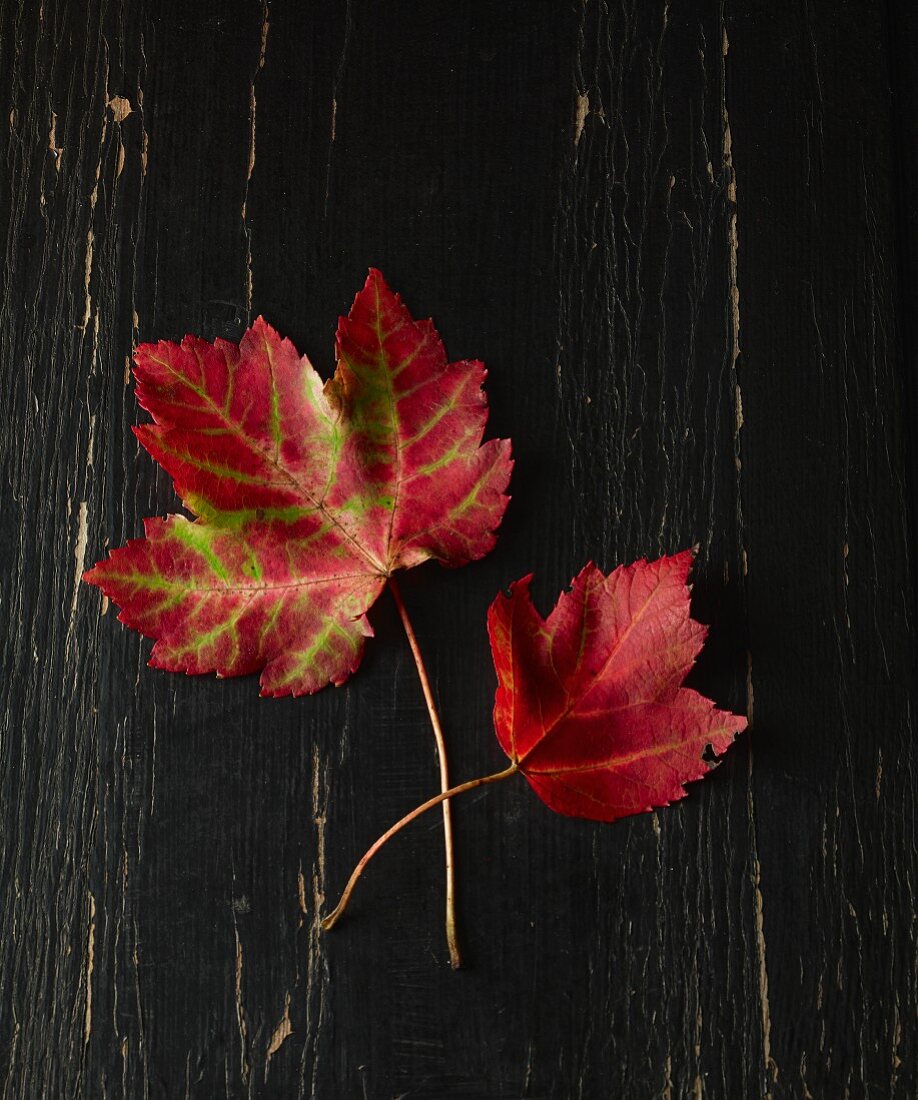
{"x": 455, "y": 956}
{"x": 444, "y": 796}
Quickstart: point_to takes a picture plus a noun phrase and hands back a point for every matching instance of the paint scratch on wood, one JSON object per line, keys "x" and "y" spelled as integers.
{"x": 87, "y": 278}
{"x": 897, "y": 1040}
{"x": 733, "y": 264}
{"x": 90, "y": 965}
{"x": 316, "y": 964}
{"x": 240, "y": 1011}
{"x": 91, "y": 442}
{"x": 336, "y": 87}
{"x": 56, "y": 150}
{"x": 263, "y": 46}
{"x": 319, "y": 815}
{"x": 580, "y": 117}
{"x": 770, "y": 1067}
{"x": 79, "y": 555}
{"x": 144, "y": 136}
{"x": 280, "y": 1035}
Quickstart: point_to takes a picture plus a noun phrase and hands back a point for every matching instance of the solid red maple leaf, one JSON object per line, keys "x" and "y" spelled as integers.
{"x": 590, "y": 705}
{"x": 308, "y": 497}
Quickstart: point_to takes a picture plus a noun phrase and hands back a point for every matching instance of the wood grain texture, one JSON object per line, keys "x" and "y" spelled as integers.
{"x": 683, "y": 239}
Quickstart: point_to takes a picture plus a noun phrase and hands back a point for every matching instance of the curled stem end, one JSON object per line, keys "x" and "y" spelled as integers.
{"x": 335, "y": 915}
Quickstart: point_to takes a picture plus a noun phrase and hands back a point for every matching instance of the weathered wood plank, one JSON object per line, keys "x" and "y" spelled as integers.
{"x": 830, "y": 585}
{"x": 676, "y": 234}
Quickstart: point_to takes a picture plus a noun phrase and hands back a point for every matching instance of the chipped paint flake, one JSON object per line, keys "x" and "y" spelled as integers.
{"x": 281, "y": 1033}
{"x": 87, "y": 278}
{"x": 240, "y": 1011}
{"x": 120, "y": 107}
{"x": 56, "y": 150}
{"x": 79, "y": 554}
{"x": 91, "y": 442}
{"x": 580, "y": 116}
{"x": 90, "y": 966}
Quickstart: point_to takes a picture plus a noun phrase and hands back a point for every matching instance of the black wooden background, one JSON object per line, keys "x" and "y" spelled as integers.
{"x": 683, "y": 238}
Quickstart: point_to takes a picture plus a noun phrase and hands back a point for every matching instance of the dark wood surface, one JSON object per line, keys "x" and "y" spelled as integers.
{"x": 683, "y": 238}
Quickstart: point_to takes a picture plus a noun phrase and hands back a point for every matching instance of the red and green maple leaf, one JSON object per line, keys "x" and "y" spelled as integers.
{"x": 307, "y": 496}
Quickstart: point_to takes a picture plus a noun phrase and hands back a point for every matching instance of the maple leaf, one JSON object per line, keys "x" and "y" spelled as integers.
{"x": 307, "y": 496}
{"x": 590, "y": 705}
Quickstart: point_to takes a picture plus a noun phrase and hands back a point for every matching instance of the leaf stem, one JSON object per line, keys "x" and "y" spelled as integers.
{"x": 455, "y": 956}
{"x": 332, "y": 919}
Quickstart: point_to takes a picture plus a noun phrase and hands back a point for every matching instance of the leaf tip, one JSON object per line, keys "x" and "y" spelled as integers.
{"x": 682, "y": 563}
{"x": 92, "y": 575}
{"x": 375, "y": 280}
{"x": 522, "y": 586}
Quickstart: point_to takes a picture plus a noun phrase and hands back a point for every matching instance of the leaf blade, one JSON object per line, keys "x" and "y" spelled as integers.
{"x": 590, "y": 702}
{"x": 307, "y": 495}
{"x": 420, "y": 415}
